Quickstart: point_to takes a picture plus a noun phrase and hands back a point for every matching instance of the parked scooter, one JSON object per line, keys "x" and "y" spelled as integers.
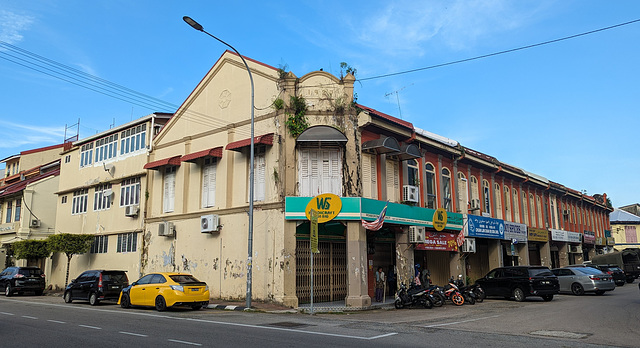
{"x": 436, "y": 294}
{"x": 413, "y": 296}
{"x": 469, "y": 296}
{"x": 452, "y": 293}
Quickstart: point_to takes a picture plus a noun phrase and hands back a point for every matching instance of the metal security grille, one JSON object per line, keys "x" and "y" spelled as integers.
{"x": 329, "y": 274}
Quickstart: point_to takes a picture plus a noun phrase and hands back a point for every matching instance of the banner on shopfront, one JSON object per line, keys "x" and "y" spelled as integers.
{"x": 538, "y": 235}
{"x": 589, "y": 237}
{"x": 600, "y": 241}
{"x": 515, "y": 232}
{"x": 439, "y": 241}
{"x": 484, "y": 227}
{"x": 565, "y": 236}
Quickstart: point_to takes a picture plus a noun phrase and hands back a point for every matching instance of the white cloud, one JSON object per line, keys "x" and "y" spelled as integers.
{"x": 12, "y": 25}
{"x": 16, "y": 135}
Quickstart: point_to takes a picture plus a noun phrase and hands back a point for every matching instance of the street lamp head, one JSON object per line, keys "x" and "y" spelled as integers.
{"x": 195, "y": 25}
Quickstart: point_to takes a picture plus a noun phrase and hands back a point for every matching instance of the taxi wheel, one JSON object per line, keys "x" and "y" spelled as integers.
{"x": 161, "y": 304}
{"x": 125, "y": 302}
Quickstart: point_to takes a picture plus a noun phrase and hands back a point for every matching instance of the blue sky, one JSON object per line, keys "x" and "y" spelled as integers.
{"x": 568, "y": 111}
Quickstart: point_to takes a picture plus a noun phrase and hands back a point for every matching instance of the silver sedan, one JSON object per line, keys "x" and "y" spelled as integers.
{"x": 579, "y": 280}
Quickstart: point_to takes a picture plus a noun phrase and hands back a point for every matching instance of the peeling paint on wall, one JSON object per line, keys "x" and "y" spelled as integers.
{"x": 169, "y": 259}
{"x": 234, "y": 269}
{"x": 215, "y": 263}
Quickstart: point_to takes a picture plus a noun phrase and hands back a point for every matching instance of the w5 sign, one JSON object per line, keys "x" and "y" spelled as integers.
{"x": 327, "y": 205}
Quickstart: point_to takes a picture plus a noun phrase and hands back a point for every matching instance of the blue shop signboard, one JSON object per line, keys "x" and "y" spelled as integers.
{"x": 484, "y": 227}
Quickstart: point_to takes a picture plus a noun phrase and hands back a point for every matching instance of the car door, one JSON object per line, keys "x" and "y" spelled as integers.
{"x": 138, "y": 292}
{"x": 4, "y": 278}
{"x": 156, "y": 286}
{"x": 565, "y": 278}
{"x": 83, "y": 285}
{"x": 491, "y": 282}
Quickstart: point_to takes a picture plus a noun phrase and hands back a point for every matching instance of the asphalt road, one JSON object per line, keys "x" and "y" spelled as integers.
{"x": 567, "y": 321}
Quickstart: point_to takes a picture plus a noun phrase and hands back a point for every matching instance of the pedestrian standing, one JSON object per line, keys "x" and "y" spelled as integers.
{"x": 379, "y": 284}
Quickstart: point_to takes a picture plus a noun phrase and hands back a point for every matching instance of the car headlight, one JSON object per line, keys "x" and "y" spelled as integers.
{"x": 177, "y": 287}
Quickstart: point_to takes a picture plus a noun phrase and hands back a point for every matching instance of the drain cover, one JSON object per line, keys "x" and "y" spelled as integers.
{"x": 559, "y": 334}
{"x": 288, "y": 324}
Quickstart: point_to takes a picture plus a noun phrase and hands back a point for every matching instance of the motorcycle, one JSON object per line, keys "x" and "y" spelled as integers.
{"x": 466, "y": 291}
{"x": 477, "y": 290}
{"x": 411, "y": 297}
{"x": 453, "y": 294}
{"x": 436, "y": 294}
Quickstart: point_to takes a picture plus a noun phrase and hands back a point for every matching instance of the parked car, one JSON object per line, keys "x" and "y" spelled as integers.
{"x": 578, "y": 280}
{"x": 164, "y": 290}
{"x": 520, "y": 282}
{"x": 618, "y": 275}
{"x": 96, "y": 285}
{"x": 19, "y": 279}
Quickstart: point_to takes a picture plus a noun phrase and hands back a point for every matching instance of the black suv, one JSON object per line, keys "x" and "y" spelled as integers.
{"x": 96, "y": 285}
{"x": 519, "y": 282}
{"x": 618, "y": 275}
{"x": 19, "y": 279}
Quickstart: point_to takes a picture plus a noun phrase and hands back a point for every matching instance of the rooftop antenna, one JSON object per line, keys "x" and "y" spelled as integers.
{"x": 397, "y": 97}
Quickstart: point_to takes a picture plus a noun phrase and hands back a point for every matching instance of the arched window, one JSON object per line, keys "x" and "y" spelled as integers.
{"x": 539, "y": 212}
{"x": 498, "y": 198}
{"x": 532, "y": 207}
{"x": 486, "y": 196}
{"x": 525, "y": 208}
{"x": 475, "y": 195}
{"x": 507, "y": 203}
{"x": 446, "y": 189}
{"x": 516, "y": 206}
{"x": 412, "y": 173}
{"x": 430, "y": 186}
{"x": 463, "y": 195}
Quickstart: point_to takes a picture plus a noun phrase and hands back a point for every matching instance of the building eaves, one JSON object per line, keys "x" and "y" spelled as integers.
{"x": 389, "y": 118}
{"x": 123, "y": 127}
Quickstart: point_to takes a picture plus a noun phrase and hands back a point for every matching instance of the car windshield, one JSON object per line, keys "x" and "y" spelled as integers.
{"x": 115, "y": 277}
{"x": 30, "y": 272}
{"x": 184, "y": 278}
{"x": 539, "y": 272}
{"x": 615, "y": 269}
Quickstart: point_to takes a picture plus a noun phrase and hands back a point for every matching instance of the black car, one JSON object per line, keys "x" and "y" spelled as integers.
{"x": 96, "y": 285}
{"x": 520, "y": 282}
{"x": 619, "y": 277}
{"x": 19, "y": 279}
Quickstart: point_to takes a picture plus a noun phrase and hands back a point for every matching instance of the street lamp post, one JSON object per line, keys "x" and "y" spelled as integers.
{"x": 195, "y": 25}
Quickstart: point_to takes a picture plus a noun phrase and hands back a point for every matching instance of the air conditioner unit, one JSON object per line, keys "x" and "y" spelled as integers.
{"x": 410, "y": 193}
{"x": 209, "y": 223}
{"x": 131, "y": 210}
{"x": 35, "y": 223}
{"x": 416, "y": 234}
{"x": 469, "y": 245}
{"x": 575, "y": 249}
{"x": 166, "y": 229}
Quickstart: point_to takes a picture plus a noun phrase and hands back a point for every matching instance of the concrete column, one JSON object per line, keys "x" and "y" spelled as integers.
{"x": 523, "y": 253}
{"x": 286, "y": 264}
{"x": 404, "y": 257}
{"x": 495, "y": 254}
{"x": 357, "y": 293}
{"x": 563, "y": 254}
{"x": 457, "y": 266}
{"x": 545, "y": 254}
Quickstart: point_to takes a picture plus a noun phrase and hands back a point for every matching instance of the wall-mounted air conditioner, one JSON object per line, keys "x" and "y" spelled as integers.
{"x": 209, "y": 223}
{"x": 410, "y": 193}
{"x": 35, "y": 223}
{"x": 131, "y": 210}
{"x": 575, "y": 249}
{"x": 416, "y": 234}
{"x": 469, "y": 245}
{"x": 166, "y": 229}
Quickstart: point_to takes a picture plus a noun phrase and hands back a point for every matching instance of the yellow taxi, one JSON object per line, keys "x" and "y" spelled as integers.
{"x": 165, "y": 289}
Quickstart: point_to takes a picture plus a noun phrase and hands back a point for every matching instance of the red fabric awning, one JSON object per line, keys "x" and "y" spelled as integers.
{"x": 266, "y": 139}
{"x": 171, "y": 161}
{"x": 192, "y": 157}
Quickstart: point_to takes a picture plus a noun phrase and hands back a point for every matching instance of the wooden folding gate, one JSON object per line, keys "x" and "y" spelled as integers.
{"x": 329, "y": 272}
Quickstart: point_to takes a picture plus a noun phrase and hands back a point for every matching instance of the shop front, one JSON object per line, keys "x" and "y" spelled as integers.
{"x": 486, "y": 234}
{"x": 514, "y": 245}
{"x": 439, "y": 255}
{"x": 566, "y": 248}
{"x": 588, "y": 245}
{"x": 539, "y": 251}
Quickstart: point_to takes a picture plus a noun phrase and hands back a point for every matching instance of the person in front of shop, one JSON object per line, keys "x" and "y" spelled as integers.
{"x": 379, "y": 284}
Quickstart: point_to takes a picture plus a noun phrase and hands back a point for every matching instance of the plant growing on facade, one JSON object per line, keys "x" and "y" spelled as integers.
{"x": 70, "y": 244}
{"x": 278, "y": 104}
{"x": 296, "y": 116}
{"x": 347, "y": 69}
{"x": 31, "y": 249}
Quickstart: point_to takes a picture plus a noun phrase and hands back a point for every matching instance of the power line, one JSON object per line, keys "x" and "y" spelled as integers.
{"x": 501, "y": 52}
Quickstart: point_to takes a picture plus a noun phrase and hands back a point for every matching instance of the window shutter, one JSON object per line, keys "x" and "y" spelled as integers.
{"x": 314, "y": 175}
{"x": 259, "y": 179}
{"x": 209, "y": 185}
{"x": 392, "y": 181}
{"x": 169, "y": 191}
{"x": 366, "y": 176}
{"x": 305, "y": 182}
{"x": 463, "y": 198}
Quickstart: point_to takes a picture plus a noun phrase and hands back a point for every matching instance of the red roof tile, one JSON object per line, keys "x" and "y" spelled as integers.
{"x": 155, "y": 165}
{"x": 192, "y": 157}
{"x": 266, "y": 139}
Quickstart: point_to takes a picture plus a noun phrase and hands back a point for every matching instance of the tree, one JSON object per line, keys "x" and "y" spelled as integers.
{"x": 31, "y": 249}
{"x": 70, "y": 244}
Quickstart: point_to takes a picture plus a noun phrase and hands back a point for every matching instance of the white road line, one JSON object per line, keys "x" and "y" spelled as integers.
{"x": 91, "y": 327}
{"x": 381, "y": 336}
{"x": 132, "y": 334}
{"x": 462, "y": 321}
{"x": 5, "y": 313}
{"x": 56, "y": 321}
{"x": 29, "y": 317}
{"x": 184, "y": 342}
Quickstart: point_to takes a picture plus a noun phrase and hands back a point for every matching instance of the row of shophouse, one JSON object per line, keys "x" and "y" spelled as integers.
{"x": 169, "y": 192}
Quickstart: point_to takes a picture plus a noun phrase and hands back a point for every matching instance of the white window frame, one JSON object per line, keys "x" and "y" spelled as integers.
{"x": 369, "y": 176}
{"x": 133, "y": 139}
{"x": 169, "y": 189}
{"x": 80, "y": 202}
{"x": 486, "y": 195}
{"x": 209, "y": 169}
{"x": 86, "y": 155}
{"x": 525, "y": 208}
{"x": 516, "y": 206}
{"x": 320, "y": 171}
{"x": 259, "y": 174}
{"x": 100, "y": 200}
{"x": 463, "y": 193}
{"x": 498, "y": 200}
{"x": 506, "y": 192}
{"x": 130, "y": 192}
{"x": 127, "y": 242}
{"x": 106, "y": 148}
{"x": 446, "y": 189}
{"x": 431, "y": 186}
{"x": 100, "y": 245}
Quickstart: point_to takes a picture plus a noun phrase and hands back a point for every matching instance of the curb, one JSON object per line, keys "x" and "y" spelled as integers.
{"x": 227, "y": 307}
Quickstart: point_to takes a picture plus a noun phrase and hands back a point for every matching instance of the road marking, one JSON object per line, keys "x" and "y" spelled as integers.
{"x": 91, "y": 327}
{"x": 139, "y": 313}
{"x": 462, "y": 321}
{"x": 132, "y": 334}
{"x": 56, "y": 321}
{"x": 5, "y": 313}
{"x": 184, "y": 342}
{"x": 29, "y": 317}
{"x": 561, "y": 334}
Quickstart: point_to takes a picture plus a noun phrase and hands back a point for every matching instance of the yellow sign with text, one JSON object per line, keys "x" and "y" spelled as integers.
{"x": 439, "y": 219}
{"x": 327, "y": 205}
